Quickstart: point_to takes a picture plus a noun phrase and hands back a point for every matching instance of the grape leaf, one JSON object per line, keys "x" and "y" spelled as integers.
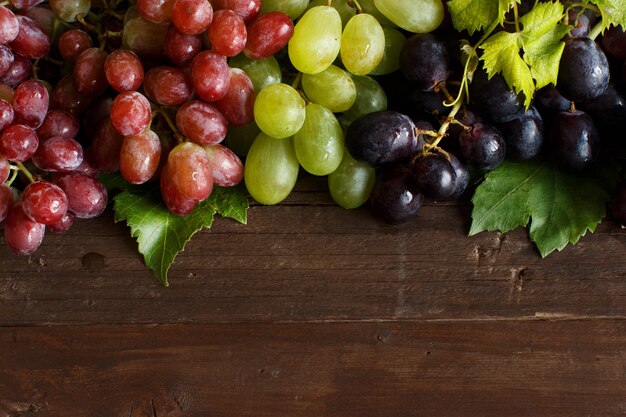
{"x": 562, "y": 206}
{"x": 162, "y": 235}
{"x": 475, "y": 15}
{"x": 613, "y": 12}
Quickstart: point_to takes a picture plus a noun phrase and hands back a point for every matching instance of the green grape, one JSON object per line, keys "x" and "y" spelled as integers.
{"x": 316, "y": 40}
{"x": 343, "y": 8}
{"x": 394, "y": 41}
{"x": 145, "y": 38}
{"x": 292, "y": 8}
{"x": 240, "y": 138}
{"x": 271, "y": 169}
{"x": 362, "y": 44}
{"x": 369, "y": 7}
{"x": 333, "y": 88}
{"x": 131, "y": 13}
{"x": 319, "y": 144}
{"x": 69, "y": 10}
{"x": 417, "y": 16}
{"x": 279, "y": 110}
{"x": 370, "y": 97}
{"x": 351, "y": 183}
{"x": 262, "y": 72}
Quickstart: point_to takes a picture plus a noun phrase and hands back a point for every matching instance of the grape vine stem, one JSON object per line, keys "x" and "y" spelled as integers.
{"x": 26, "y": 172}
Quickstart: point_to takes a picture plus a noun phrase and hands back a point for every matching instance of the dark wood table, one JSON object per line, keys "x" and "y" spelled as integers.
{"x": 312, "y": 310}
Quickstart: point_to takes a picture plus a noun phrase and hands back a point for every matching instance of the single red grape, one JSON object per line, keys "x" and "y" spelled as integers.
{"x": 130, "y": 113}
{"x": 139, "y": 157}
{"x": 123, "y": 70}
{"x": 268, "y": 34}
{"x": 167, "y": 86}
{"x": 44, "y": 202}
{"x": 21, "y": 234}
{"x": 18, "y": 143}
{"x": 210, "y": 75}
{"x": 58, "y": 154}
{"x": 201, "y": 122}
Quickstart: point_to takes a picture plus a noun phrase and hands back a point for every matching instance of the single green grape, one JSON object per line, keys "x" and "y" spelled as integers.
{"x": 369, "y": 7}
{"x": 240, "y": 138}
{"x": 417, "y": 16}
{"x": 262, "y": 72}
{"x": 292, "y": 8}
{"x": 370, "y": 97}
{"x": 351, "y": 183}
{"x": 316, "y": 40}
{"x": 69, "y": 10}
{"x": 362, "y": 44}
{"x": 394, "y": 41}
{"x": 333, "y": 88}
{"x": 319, "y": 144}
{"x": 343, "y": 8}
{"x": 271, "y": 169}
{"x": 279, "y": 110}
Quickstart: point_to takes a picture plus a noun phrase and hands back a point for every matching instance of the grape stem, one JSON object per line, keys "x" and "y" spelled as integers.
{"x": 596, "y": 30}
{"x": 87, "y": 25}
{"x": 170, "y": 123}
{"x": 443, "y": 129}
{"x": 13, "y": 176}
{"x": 5, "y": 3}
{"x": 296, "y": 81}
{"x": 26, "y": 172}
{"x": 355, "y": 3}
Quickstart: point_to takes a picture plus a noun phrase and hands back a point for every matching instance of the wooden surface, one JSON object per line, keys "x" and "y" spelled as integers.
{"x": 311, "y": 310}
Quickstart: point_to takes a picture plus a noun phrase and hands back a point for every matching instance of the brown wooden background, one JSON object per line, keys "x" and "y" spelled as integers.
{"x": 312, "y": 310}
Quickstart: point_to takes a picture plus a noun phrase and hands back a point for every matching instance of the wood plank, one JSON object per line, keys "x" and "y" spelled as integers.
{"x": 474, "y": 368}
{"x": 314, "y": 262}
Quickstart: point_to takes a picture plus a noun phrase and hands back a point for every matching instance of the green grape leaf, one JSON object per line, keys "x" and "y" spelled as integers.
{"x": 476, "y": 15}
{"x": 162, "y": 235}
{"x": 613, "y": 12}
{"x": 561, "y": 207}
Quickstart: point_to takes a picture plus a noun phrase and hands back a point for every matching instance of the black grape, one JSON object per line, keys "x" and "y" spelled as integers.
{"x": 549, "y": 100}
{"x": 617, "y": 205}
{"x": 581, "y": 24}
{"x": 614, "y": 42}
{"x": 482, "y": 146}
{"x": 608, "y": 112}
{"x": 394, "y": 198}
{"x": 493, "y": 99}
{"x": 434, "y": 175}
{"x": 424, "y": 60}
{"x": 381, "y": 137}
{"x": 583, "y": 70}
{"x": 574, "y": 140}
{"x": 461, "y": 177}
{"x": 523, "y": 136}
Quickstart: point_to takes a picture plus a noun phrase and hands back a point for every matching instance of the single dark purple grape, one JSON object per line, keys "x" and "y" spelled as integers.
{"x": 424, "y": 60}
{"x": 493, "y": 99}
{"x": 617, "y": 205}
{"x": 394, "y": 198}
{"x": 608, "y": 112}
{"x": 461, "y": 178}
{"x": 574, "y": 140}
{"x": 523, "y": 136}
{"x": 451, "y": 142}
{"x": 549, "y": 100}
{"x": 381, "y": 137}
{"x": 580, "y": 22}
{"x": 583, "y": 70}
{"x": 614, "y": 42}
{"x": 434, "y": 175}
{"x": 483, "y": 146}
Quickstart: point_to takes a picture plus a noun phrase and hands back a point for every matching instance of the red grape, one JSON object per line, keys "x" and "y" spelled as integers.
{"x": 5, "y": 169}
{"x": 201, "y": 122}
{"x": 139, "y": 157}
{"x": 65, "y": 97}
{"x": 44, "y": 202}
{"x": 130, "y": 113}
{"x": 25, "y": 4}
{"x": 72, "y": 43}
{"x": 9, "y": 26}
{"x": 44, "y": 17}
{"x": 21, "y": 234}
{"x": 227, "y": 33}
{"x": 181, "y": 48}
{"x": 88, "y": 75}
{"x": 192, "y": 16}
{"x": 190, "y": 171}
{"x": 62, "y": 225}
{"x": 58, "y": 154}
{"x": 86, "y": 196}
{"x": 157, "y": 11}
{"x": 20, "y": 70}
{"x": 30, "y": 103}
{"x": 210, "y": 75}
{"x": 7, "y": 115}
{"x": 173, "y": 199}
{"x": 267, "y": 35}
{"x": 123, "y": 70}
{"x": 105, "y": 148}
{"x": 167, "y": 86}
{"x": 238, "y": 103}
{"x": 6, "y": 59}
{"x": 226, "y": 167}
{"x": 6, "y": 200}
{"x": 31, "y": 41}
{"x": 18, "y": 143}
{"x": 58, "y": 123}
{"x": 247, "y": 9}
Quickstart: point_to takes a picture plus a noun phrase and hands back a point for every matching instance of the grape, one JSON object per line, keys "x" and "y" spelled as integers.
{"x": 89, "y": 74}
{"x": 394, "y": 199}
{"x": 24, "y": 5}
{"x": 105, "y": 147}
{"x": 9, "y": 26}
{"x": 181, "y": 48}
{"x": 369, "y": 7}
{"x": 493, "y": 99}
{"x": 483, "y": 146}
{"x": 333, "y": 88}
{"x": 144, "y": 38}
{"x": 86, "y": 196}
{"x": 6, "y": 200}
{"x": 614, "y": 42}
{"x": 574, "y": 140}
{"x": 123, "y": 70}
{"x": 18, "y": 143}
{"x": 6, "y": 59}
{"x": 226, "y": 167}
{"x": 319, "y": 143}
{"x": 130, "y": 113}
{"x": 362, "y": 44}
{"x": 72, "y": 43}
{"x": 20, "y": 70}
{"x": 62, "y": 225}
{"x": 247, "y": 9}
{"x": 21, "y": 234}
{"x": 370, "y": 97}
{"x": 262, "y": 72}
{"x": 549, "y": 100}
{"x": 30, "y": 103}
{"x": 271, "y": 169}
{"x": 608, "y": 112}
{"x": 345, "y": 10}
{"x": 139, "y": 157}
{"x": 583, "y": 70}
{"x": 238, "y": 103}
{"x": 267, "y": 34}
{"x": 65, "y": 97}
{"x": 210, "y": 76}
{"x": 201, "y": 122}
{"x": 417, "y": 16}
{"x": 381, "y": 137}
{"x": 227, "y": 33}
{"x": 192, "y": 16}
{"x": 6, "y": 93}
{"x": 44, "y": 17}
{"x": 523, "y": 136}
{"x": 7, "y": 115}
{"x": 190, "y": 169}
{"x": 461, "y": 178}
{"x": 5, "y": 169}
{"x": 240, "y": 138}
{"x": 86, "y": 168}
{"x": 316, "y": 40}
{"x": 70, "y": 10}
{"x": 394, "y": 44}
{"x": 58, "y": 123}
{"x": 424, "y": 61}
{"x": 31, "y": 41}
{"x": 44, "y": 202}
{"x": 351, "y": 183}
{"x": 292, "y": 8}
{"x": 434, "y": 176}
{"x": 167, "y": 86}
{"x": 279, "y": 110}
{"x": 581, "y": 24}
{"x": 173, "y": 199}
{"x": 58, "y": 154}
{"x": 157, "y": 11}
